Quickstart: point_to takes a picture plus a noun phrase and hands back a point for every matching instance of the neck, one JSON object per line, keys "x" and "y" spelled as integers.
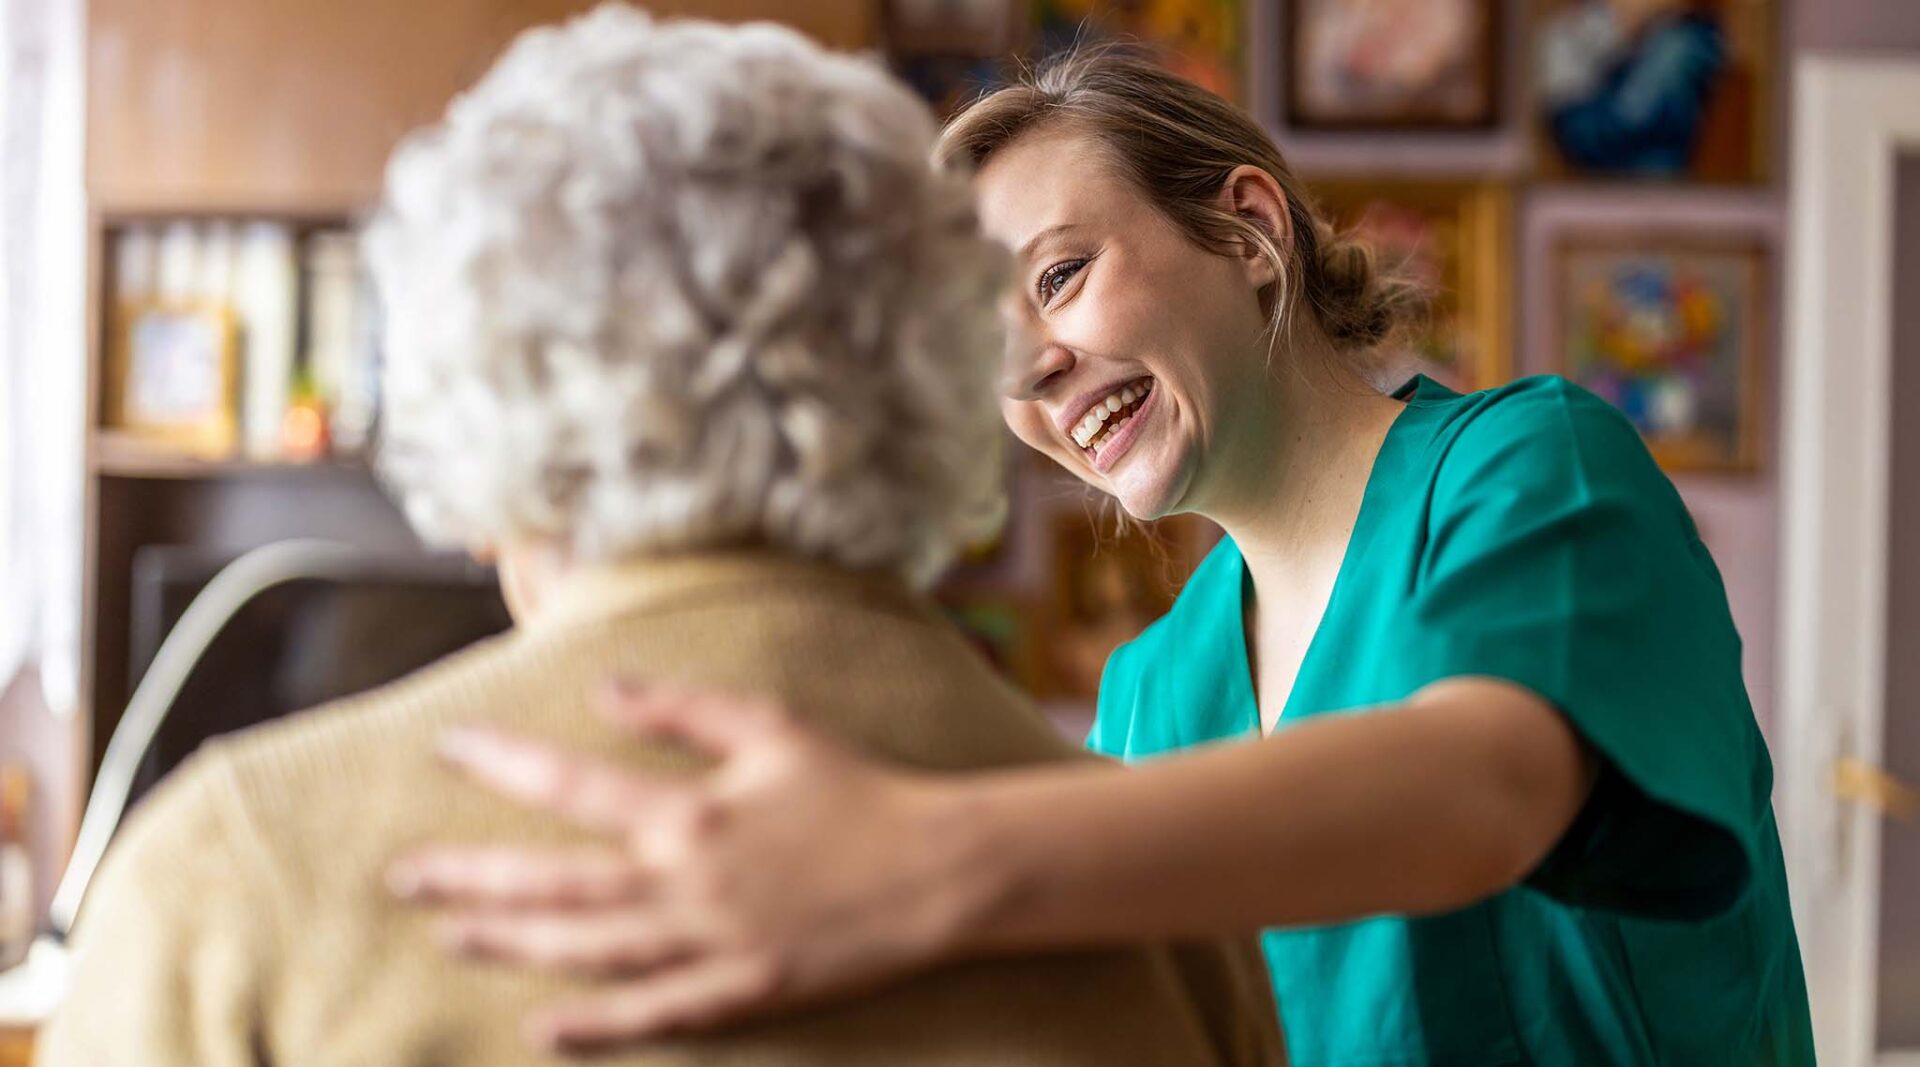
{"x": 1295, "y": 493}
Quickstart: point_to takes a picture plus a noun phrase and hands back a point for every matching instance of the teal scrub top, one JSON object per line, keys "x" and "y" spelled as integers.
{"x": 1522, "y": 533}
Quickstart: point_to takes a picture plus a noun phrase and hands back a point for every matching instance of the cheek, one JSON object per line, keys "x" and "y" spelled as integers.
{"x": 1027, "y": 422}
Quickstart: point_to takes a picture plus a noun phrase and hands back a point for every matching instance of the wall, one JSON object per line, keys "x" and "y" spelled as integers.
{"x": 31, "y": 736}
{"x": 1856, "y": 25}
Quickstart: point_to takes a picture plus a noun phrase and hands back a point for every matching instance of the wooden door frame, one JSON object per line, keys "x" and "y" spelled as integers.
{"x": 1853, "y": 116}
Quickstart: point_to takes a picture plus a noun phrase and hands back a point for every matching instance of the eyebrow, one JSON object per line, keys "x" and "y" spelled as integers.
{"x": 1058, "y": 227}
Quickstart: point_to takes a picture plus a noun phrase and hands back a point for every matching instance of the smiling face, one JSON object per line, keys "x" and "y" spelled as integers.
{"x": 1136, "y": 359}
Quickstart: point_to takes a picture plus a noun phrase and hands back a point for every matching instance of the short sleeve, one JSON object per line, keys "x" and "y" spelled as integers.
{"x": 1559, "y": 557}
{"x": 169, "y": 952}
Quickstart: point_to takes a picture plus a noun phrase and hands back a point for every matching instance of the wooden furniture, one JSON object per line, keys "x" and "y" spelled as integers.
{"x": 16, "y": 1047}
{"x": 282, "y": 110}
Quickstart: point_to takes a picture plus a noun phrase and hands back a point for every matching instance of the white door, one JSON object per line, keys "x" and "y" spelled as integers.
{"x": 1849, "y": 708}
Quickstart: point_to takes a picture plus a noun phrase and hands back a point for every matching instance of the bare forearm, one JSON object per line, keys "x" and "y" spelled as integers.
{"x": 1419, "y": 808}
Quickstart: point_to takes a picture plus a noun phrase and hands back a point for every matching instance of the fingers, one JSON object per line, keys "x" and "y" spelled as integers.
{"x": 505, "y": 876}
{"x": 694, "y": 995}
{"x": 586, "y": 791}
{"x": 575, "y": 942}
{"x": 719, "y": 723}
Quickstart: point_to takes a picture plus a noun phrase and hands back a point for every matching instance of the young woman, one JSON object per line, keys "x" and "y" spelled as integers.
{"x": 1509, "y": 804}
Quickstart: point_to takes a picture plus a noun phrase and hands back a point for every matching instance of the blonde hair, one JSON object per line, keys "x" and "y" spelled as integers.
{"x": 1176, "y": 142}
{"x": 653, "y": 286}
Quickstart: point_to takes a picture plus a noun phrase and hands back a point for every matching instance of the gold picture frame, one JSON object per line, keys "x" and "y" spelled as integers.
{"x": 1701, "y": 77}
{"x": 1407, "y": 66}
{"x": 174, "y": 375}
{"x": 1455, "y": 238}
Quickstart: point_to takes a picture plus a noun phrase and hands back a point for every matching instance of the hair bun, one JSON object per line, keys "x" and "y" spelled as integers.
{"x": 1358, "y": 301}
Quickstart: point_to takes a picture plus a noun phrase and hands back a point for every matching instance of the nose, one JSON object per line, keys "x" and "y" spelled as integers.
{"x": 1032, "y": 362}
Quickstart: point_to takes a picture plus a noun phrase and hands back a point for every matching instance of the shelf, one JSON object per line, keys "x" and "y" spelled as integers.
{"x": 114, "y": 210}
{"x": 116, "y": 455}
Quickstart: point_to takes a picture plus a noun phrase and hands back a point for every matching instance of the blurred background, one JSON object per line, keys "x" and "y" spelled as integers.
{"x": 1707, "y": 212}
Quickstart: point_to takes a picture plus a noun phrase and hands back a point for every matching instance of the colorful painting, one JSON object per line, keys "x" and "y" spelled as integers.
{"x": 1392, "y": 63}
{"x": 1671, "y": 333}
{"x": 1200, "y": 40}
{"x": 1654, "y": 89}
{"x": 1454, "y": 240}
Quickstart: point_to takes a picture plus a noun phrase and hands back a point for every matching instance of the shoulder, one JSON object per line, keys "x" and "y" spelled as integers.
{"x": 1544, "y": 405}
{"x": 1542, "y": 428}
{"x": 1215, "y": 579}
{"x": 190, "y": 819}
{"x": 321, "y": 747}
{"x": 1213, "y": 587}
{"x": 301, "y": 798}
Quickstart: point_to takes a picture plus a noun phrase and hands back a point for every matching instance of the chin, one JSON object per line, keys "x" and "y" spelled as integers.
{"x": 1150, "y": 490}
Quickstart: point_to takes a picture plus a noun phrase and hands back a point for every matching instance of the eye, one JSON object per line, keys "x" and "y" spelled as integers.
{"x": 1055, "y": 278}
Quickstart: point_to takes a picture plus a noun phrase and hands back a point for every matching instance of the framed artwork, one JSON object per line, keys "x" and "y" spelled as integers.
{"x": 1392, "y": 64}
{"x": 980, "y": 28}
{"x": 1455, "y": 239}
{"x": 1200, "y": 40}
{"x": 952, "y": 50}
{"x": 948, "y": 83}
{"x": 1674, "y": 90}
{"x": 1672, "y": 331}
{"x": 174, "y": 375}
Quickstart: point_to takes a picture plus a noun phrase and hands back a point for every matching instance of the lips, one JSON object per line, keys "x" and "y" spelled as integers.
{"x": 1120, "y": 437}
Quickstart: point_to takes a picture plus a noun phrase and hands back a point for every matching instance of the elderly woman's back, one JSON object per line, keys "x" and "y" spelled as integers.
{"x": 683, "y": 328}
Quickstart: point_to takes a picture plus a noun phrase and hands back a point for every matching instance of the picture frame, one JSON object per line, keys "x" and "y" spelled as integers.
{"x": 976, "y": 29}
{"x": 173, "y": 375}
{"x": 1203, "y": 41}
{"x": 1455, "y": 238}
{"x": 1393, "y": 65}
{"x": 1702, "y": 75}
{"x": 1673, "y": 331}
{"x": 950, "y": 51}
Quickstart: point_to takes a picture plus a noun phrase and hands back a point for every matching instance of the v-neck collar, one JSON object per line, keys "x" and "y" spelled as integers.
{"x": 1391, "y": 456}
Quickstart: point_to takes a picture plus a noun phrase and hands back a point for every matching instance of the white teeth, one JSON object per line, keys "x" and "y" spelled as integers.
{"x": 1104, "y": 418}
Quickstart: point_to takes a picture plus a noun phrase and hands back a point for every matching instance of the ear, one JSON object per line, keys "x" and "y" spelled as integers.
{"x": 1255, "y": 195}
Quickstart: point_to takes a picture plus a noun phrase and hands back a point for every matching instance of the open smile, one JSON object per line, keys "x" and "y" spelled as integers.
{"x": 1109, "y": 427}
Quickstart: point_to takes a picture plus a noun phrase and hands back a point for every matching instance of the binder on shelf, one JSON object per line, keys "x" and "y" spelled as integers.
{"x": 266, "y": 290}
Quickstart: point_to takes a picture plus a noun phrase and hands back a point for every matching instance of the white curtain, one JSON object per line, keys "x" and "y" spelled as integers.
{"x": 42, "y": 340}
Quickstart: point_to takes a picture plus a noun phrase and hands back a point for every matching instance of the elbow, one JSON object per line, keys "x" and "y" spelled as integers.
{"x": 1528, "y": 813}
{"x": 1524, "y": 775}
{"x": 1479, "y": 866}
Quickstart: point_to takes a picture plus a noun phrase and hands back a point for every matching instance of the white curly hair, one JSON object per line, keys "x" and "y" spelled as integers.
{"x": 664, "y": 285}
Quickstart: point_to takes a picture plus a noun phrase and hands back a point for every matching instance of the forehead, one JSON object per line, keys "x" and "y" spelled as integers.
{"x": 1051, "y": 177}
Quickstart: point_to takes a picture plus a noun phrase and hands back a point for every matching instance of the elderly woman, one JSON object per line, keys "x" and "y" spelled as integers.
{"x": 684, "y": 331}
